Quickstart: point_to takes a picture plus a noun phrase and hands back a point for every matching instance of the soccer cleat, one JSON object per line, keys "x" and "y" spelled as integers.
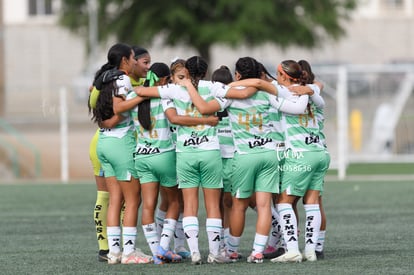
{"x": 235, "y": 256}
{"x": 168, "y": 255}
{"x": 273, "y": 252}
{"x": 320, "y": 255}
{"x": 309, "y": 256}
{"x": 180, "y": 250}
{"x": 136, "y": 257}
{"x": 269, "y": 252}
{"x": 103, "y": 255}
{"x": 294, "y": 257}
{"x": 157, "y": 260}
{"x": 218, "y": 259}
{"x": 114, "y": 258}
{"x": 256, "y": 259}
{"x": 196, "y": 258}
{"x": 142, "y": 254}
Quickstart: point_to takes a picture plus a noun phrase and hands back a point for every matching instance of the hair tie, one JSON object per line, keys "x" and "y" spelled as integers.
{"x": 152, "y": 78}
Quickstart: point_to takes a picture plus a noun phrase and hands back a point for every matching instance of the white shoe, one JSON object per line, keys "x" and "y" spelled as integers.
{"x": 196, "y": 258}
{"x": 136, "y": 257}
{"x": 114, "y": 258}
{"x": 309, "y": 256}
{"x": 256, "y": 259}
{"x": 294, "y": 257}
{"x": 218, "y": 259}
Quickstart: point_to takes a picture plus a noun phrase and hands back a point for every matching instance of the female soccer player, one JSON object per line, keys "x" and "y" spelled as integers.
{"x": 302, "y": 174}
{"x": 178, "y": 72}
{"x": 198, "y": 159}
{"x": 253, "y": 173}
{"x": 320, "y": 118}
{"x": 114, "y": 149}
{"x": 155, "y": 148}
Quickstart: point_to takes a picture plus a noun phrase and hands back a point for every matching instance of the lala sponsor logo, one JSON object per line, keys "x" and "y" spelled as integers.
{"x": 259, "y": 141}
{"x": 195, "y": 140}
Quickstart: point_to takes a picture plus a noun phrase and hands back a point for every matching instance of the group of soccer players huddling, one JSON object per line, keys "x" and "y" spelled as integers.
{"x": 247, "y": 139}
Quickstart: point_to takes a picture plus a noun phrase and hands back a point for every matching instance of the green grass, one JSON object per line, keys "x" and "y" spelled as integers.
{"x": 377, "y": 169}
{"x": 48, "y": 229}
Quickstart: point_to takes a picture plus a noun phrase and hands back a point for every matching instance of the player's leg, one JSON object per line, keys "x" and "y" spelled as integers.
{"x": 149, "y": 192}
{"x": 113, "y": 220}
{"x": 101, "y": 203}
{"x": 312, "y": 223}
{"x": 288, "y": 224}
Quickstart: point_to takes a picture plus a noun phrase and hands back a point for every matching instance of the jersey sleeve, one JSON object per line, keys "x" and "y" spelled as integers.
{"x": 282, "y": 91}
{"x": 124, "y": 85}
{"x": 290, "y": 107}
{"x": 316, "y": 98}
{"x": 169, "y": 91}
{"x": 93, "y": 97}
{"x": 219, "y": 91}
{"x": 167, "y": 104}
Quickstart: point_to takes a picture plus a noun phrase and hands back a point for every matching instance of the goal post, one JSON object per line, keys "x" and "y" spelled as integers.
{"x": 369, "y": 113}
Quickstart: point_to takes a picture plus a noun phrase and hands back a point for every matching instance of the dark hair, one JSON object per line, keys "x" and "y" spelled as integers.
{"x": 307, "y": 68}
{"x": 222, "y": 75}
{"x": 298, "y": 75}
{"x": 104, "y": 104}
{"x": 144, "y": 108}
{"x": 248, "y": 67}
{"x": 114, "y": 56}
{"x": 265, "y": 72}
{"x": 138, "y": 51}
{"x": 197, "y": 69}
{"x": 293, "y": 70}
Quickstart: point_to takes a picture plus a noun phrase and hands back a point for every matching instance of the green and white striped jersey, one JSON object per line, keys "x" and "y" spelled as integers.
{"x": 252, "y": 120}
{"x": 302, "y": 131}
{"x": 193, "y": 138}
{"x": 320, "y": 117}
{"x": 126, "y": 125}
{"x": 225, "y": 136}
{"x": 250, "y": 123}
{"x": 159, "y": 138}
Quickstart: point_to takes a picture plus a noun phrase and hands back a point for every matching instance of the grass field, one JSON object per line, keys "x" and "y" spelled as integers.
{"x": 48, "y": 229}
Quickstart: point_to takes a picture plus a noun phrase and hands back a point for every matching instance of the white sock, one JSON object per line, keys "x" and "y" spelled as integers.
{"x": 179, "y": 236}
{"x": 150, "y": 233}
{"x": 213, "y": 228}
{"x": 114, "y": 238}
{"x": 233, "y": 244}
{"x": 226, "y": 232}
{"x": 259, "y": 243}
{"x": 191, "y": 228}
{"x": 129, "y": 236}
{"x": 321, "y": 241}
{"x": 289, "y": 226}
{"x": 275, "y": 232}
{"x": 223, "y": 237}
{"x": 167, "y": 233}
{"x": 312, "y": 226}
{"x": 159, "y": 220}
